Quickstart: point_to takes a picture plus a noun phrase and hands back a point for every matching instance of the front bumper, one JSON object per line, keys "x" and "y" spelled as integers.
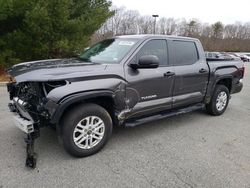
{"x": 23, "y": 124}
{"x": 21, "y": 117}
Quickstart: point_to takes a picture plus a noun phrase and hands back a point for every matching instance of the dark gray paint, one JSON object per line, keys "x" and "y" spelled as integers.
{"x": 135, "y": 92}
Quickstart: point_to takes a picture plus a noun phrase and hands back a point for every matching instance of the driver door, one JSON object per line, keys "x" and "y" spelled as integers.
{"x": 150, "y": 90}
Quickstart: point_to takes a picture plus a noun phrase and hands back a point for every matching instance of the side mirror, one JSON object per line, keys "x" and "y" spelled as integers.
{"x": 146, "y": 62}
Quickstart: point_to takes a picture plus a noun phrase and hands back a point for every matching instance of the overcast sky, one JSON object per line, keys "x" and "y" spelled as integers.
{"x": 210, "y": 11}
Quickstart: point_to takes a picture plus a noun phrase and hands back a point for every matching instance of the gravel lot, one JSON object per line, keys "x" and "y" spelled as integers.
{"x": 191, "y": 150}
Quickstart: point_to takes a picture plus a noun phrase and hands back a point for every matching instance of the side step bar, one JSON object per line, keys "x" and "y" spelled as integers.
{"x": 163, "y": 115}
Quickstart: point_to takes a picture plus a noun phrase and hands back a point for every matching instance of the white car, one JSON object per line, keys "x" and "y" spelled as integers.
{"x": 248, "y": 57}
{"x": 243, "y": 57}
{"x": 234, "y": 57}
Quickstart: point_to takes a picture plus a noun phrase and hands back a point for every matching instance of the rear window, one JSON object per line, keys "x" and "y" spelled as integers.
{"x": 183, "y": 53}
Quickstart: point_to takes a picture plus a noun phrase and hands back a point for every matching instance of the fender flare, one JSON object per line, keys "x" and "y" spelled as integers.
{"x": 219, "y": 78}
{"x": 75, "y": 98}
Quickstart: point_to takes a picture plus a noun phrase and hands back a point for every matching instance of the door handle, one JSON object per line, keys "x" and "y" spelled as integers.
{"x": 169, "y": 74}
{"x": 202, "y": 70}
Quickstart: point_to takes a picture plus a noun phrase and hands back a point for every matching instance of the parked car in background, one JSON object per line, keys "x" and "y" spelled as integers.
{"x": 244, "y": 57}
{"x": 213, "y": 55}
{"x": 221, "y": 56}
{"x": 234, "y": 56}
{"x": 247, "y": 57}
{"x": 226, "y": 55}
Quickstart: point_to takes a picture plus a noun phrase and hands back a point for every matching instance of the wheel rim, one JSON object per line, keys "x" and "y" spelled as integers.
{"x": 88, "y": 132}
{"x": 221, "y": 101}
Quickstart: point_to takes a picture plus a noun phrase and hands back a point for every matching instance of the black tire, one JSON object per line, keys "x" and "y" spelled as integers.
{"x": 73, "y": 117}
{"x": 211, "y": 106}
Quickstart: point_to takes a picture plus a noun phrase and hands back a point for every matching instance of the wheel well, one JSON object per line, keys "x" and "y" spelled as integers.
{"x": 226, "y": 82}
{"x": 104, "y": 101}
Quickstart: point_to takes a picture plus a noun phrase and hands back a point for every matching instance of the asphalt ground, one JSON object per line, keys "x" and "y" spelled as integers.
{"x": 190, "y": 150}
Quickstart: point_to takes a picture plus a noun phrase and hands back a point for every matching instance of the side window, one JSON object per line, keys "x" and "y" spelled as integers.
{"x": 183, "y": 53}
{"x": 157, "y": 48}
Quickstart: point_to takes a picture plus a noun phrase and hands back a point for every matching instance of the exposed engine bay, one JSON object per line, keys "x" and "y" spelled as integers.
{"x": 28, "y": 100}
{"x": 31, "y": 96}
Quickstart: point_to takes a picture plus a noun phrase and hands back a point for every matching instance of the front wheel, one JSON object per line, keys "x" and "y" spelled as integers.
{"x": 86, "y": 129}
{"x": 219, "y": 101}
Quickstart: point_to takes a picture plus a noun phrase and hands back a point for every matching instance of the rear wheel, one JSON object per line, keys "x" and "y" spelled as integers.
{"x": 219, "y": 101}
{"x": 86, "y": 129}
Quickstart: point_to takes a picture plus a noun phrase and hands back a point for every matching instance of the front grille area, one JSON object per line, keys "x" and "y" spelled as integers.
{"x": 29, "y": 92}
{"x": 32, "y": 97}
{"x": 29, "y": 99}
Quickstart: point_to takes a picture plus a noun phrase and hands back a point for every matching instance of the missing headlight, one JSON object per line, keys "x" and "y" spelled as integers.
{"x": 48, "y": 86}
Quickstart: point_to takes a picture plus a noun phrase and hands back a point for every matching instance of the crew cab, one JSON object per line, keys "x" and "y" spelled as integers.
{"x": 121, "y": 81}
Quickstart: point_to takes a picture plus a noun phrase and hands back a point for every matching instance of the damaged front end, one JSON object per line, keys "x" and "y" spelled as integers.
{"x": 28, "y": 104}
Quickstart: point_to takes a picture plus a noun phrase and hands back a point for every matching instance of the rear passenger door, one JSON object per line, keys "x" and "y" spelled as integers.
{"x": 191, "y": 72}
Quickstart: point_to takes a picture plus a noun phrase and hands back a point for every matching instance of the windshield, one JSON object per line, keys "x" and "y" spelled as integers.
{"x": 108, "y": 51}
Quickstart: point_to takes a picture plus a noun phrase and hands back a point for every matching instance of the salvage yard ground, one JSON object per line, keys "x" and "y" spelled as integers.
{"x": 191, "y": 150}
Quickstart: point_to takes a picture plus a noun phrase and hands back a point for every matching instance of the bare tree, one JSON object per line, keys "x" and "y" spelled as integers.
{"x": 145, "y": 25}
{"x": 206, "y": 30}
{"x": 167, "y": 26}
{"x": 219, "y": 37}
{"x": 128, "y": 22}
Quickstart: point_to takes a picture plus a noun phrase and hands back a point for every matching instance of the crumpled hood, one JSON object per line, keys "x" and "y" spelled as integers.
{"x": 54, "y": 69}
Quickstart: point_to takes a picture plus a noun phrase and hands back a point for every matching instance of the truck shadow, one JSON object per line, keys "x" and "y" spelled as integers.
{"x": 158, "y": 126}
{"x": 121, "y": 135}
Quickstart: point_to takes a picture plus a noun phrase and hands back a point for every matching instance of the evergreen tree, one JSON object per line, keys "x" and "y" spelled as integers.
{"x": 39, "y": 29}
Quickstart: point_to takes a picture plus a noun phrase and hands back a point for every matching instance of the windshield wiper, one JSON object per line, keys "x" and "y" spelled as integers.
{"x": 87, "y": 60}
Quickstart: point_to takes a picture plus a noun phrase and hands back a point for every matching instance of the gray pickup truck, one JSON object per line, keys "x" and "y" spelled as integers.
{"x": 125, "y": 81}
